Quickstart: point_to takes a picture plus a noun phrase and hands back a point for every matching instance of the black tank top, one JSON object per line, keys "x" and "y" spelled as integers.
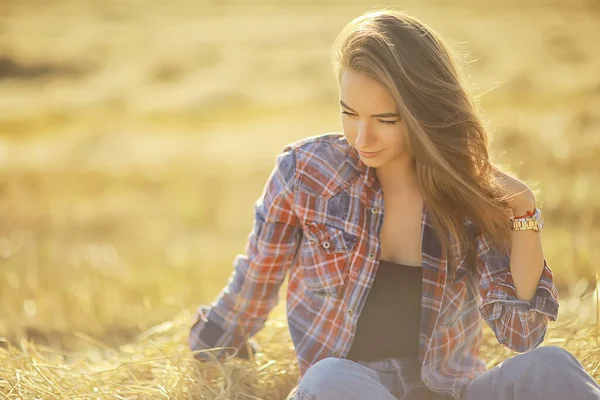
{"x": 389, "y": 323}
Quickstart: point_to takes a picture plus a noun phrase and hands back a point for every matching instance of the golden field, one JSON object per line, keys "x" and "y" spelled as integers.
{"x": 135, "y": 137}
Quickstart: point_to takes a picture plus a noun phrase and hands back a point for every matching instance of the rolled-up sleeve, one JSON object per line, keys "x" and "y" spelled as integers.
{"x": 518, "y": 324}
{"x": 242, "y": 307}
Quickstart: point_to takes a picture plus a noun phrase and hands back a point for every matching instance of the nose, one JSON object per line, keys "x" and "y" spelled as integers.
{"x": 363, "y": 135}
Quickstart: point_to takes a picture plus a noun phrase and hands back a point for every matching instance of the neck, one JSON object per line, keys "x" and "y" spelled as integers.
{"x": 398, "y": 176}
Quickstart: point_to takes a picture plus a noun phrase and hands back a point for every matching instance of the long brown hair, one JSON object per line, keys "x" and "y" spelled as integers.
{"x": 446, "y": 136}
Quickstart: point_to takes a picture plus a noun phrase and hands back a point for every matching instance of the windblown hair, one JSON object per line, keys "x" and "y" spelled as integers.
{"x": 446, "y": 137}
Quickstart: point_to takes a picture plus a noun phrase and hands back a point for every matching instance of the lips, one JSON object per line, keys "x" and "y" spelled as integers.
{"x": 369, "y": 154}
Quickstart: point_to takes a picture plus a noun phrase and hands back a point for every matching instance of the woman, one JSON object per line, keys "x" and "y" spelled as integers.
{"x": 400, "y": 238}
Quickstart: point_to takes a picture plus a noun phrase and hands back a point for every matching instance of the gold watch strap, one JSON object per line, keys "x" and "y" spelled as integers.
{"x": 527, "y": 223}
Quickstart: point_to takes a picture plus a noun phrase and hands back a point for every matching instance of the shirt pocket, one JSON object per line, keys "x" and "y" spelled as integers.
{"x": 325, "y": 258}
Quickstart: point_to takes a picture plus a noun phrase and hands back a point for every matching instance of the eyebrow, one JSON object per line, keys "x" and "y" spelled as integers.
{"x": 384, "y": 115}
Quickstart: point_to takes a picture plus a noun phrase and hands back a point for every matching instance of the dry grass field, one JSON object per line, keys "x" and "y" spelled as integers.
{"x": 135, "y": 137}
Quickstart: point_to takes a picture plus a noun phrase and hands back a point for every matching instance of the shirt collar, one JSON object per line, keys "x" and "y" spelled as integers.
{"x": 368, "y": 174}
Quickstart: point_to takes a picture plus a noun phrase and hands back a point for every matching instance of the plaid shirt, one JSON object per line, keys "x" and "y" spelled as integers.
{"x": 319, "y": 219}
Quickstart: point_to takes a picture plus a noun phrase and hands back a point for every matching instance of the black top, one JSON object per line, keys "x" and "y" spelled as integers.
{"x": 389, "y": 323}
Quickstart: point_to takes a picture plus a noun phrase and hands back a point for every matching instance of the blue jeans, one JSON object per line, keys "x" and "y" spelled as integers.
{"x": 547, "y": 373}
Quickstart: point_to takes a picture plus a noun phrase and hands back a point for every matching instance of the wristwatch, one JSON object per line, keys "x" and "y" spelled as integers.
{"x": 534, "y": 222}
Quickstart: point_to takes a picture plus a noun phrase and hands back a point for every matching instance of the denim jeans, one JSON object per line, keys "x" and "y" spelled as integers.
{"x": 547, "y": 372}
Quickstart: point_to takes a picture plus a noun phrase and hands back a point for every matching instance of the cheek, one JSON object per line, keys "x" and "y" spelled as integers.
{"x": 403, "y": 133}
{"x": 393, "y": 136}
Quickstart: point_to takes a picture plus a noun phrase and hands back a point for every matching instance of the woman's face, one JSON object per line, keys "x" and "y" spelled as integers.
{"x": 370, "y": 119}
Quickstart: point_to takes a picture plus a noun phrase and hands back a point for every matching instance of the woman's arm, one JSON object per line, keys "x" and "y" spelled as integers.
{"x": 517, "y": 289}
{"x": 526, "y": 257}
{"x": 242, "y": 307}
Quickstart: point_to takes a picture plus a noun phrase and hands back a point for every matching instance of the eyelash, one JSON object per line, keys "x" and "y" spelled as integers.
{"x": 380, "y": 120}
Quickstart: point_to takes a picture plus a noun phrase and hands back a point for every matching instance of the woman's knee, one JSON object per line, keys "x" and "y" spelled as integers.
{"x": 328, "y": 374}
{"x": 551, "y": 354}
{"x": 533, "y": 362}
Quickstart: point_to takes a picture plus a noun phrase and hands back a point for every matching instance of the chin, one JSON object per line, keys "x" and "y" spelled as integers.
{"x": 373, "y": 162}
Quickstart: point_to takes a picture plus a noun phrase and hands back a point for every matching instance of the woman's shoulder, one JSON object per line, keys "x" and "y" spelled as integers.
{"x": 323, "y": 162}
{"x": 320, "y": 143}
{"x": 328, "y": 149}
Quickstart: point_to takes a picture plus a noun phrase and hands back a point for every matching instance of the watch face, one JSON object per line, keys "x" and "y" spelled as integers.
{"x": 540, "y": 218}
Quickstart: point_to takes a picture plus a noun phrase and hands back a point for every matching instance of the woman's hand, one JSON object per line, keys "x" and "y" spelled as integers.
{"x": 243, "y": 351}
{"x": 519, "y": 196}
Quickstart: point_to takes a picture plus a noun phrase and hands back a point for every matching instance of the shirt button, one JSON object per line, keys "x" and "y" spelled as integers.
{"x": 326, "y": 245}
{"x": 371, "y": 256}
{"x": 336, "y": 353}
{"x": 350, "y": 311}
{"x": 374, "y": 210}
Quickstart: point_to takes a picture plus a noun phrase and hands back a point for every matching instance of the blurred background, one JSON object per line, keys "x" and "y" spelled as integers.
{"x": 136, "y": 135}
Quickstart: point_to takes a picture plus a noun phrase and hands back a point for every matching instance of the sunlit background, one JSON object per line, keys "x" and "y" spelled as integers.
{"x": 135, "y": 137}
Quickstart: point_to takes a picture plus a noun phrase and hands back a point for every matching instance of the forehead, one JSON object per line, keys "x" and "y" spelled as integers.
{"x": 363, "y": 93}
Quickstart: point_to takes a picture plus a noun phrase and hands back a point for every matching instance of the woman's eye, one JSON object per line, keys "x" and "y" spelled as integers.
{"x": 380, "y": 120}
